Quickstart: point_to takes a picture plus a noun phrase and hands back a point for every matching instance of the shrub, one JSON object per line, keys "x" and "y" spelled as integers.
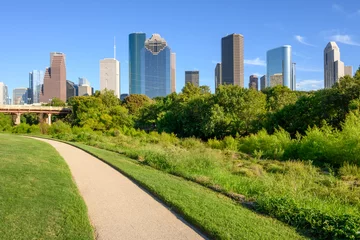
{"x": 319, "y": 224}
{"x": 60, "y": 130}
{"x": 21, "y": 128}
{"x": 271, "y": 146}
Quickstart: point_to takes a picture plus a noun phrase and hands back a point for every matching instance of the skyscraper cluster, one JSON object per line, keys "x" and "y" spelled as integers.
{"x": 280, "y": 68}
{"x": 152, "y": 71}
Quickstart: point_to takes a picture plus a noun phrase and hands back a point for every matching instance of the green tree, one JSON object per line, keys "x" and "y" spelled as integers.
{"x": 134, "y": 102}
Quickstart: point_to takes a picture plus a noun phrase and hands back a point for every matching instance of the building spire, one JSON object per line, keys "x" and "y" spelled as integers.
{"x": 114, "y": 48}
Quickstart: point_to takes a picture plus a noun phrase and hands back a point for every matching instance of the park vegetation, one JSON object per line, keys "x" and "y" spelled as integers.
{"x": 292, "y": 155}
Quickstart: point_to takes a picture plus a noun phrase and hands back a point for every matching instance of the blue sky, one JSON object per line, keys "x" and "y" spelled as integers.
{"x": 84, "y": 31}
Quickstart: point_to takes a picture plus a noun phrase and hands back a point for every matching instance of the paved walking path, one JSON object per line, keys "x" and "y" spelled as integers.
{"x": 118, "y": 208}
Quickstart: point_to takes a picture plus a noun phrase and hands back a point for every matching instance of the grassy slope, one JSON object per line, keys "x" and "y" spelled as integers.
{"x": 38, "y": 198}
{"x": 217, "y": 215}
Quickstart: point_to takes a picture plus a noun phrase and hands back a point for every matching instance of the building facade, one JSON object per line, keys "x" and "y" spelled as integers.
{"x": 83, "y": 81}
{"x": 254, "y": 82}
{"x": 192, "y": 77}
{"x": 334, "y": 69}
{"x": 54, "y": 79}
{"x": 279, "y": 65}
{"x": 348, "y": 71}
{"x": 232, "y": 60}
{"x": 173, "y": 72}
{"x": 20, "y": 96}
{"x": 136, "y": 45}
{"x": 263, "y": 82}
{"x": 3, "y": 91}
{"x": 156, "y": 67}
{"x": 36, "y": 80}
{"x": 71, "y": 90}
{"x": 110, "y": 75}
{"x": 218, "y": 81}
{"x": 84, "y": 90}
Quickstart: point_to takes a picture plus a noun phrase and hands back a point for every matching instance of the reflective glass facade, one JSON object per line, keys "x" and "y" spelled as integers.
{"x": 155, "y": 67}
{"x": 136, "y": 45}
{"x": 280, "y": 67}
{"x": 36, "y": 79}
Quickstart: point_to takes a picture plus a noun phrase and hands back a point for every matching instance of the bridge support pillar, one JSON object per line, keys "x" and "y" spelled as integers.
{"x": 17, "y": 118}
{"x": 49, "y": 119}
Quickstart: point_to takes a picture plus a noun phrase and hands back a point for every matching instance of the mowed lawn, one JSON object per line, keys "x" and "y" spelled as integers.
{"x": 38, "y": 198}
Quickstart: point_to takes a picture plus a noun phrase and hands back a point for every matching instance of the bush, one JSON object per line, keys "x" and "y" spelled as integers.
{"x": 6, "y": 123}
{"x": 21, "y": 128}
{"x": 270, "y": 146}
{"x": 61, "y": 130}
{"x": 319, "y": 224}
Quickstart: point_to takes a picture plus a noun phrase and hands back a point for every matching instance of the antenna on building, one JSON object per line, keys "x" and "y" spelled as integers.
{"x": 114, "y": 48}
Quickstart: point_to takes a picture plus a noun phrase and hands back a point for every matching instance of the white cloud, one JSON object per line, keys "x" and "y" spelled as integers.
{"x": 346, "y": 39}
{"x": 338, "y": 8}
{"x": 258, "y": 74}
{"x": 302, "y": 40}
{"x": 309, "y": 85}
{"x": 256, "y": 62}
{"x": 305, "y": 69}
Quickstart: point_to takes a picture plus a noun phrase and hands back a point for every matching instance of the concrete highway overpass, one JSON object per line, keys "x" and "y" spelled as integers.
{"x": 44, "y": 112}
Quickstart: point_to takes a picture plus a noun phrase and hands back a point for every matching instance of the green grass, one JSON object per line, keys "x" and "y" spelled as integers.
{"x": 323, "y": 202}
{"x": 38, "y": 198}
{"x": 215, "y": 214}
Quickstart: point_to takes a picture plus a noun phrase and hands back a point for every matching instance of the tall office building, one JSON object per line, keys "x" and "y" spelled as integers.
{"x": 192, "y": 77}
{"x": 218, "y": 75}
{"x": 254, "y": 82}
{"x": 173, "y": 72}
{"x": 71, "y": 89}
{"x": 110, "y": 75}
{"x": 136, "y": 45}
{"x": 3, "y": 94}
{"x": 280, "y": 67}
{"x": 334, "y": 69}
{"x": 20, "y": 96}
{"x": 232, "y": 60}
{"x": 36, "y": 79}
{"x": 54, "y": 79}
{"x": 156, "y": 67}
{"x": 348, "y": 71}
{"x": 293, "y": 77}
{"x": 263, "y": 82}
{"x": 83, "y": 81}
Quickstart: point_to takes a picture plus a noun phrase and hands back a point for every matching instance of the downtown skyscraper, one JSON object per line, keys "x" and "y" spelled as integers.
{"x": 192, "y": 77}
{"x": 36, "y": 81}
{"x": 156, "y": 65}
{"x": 334, "y": 68}
{"x": 280, "y": 68}
{"x": 136, "y": 45}
{"x": 232, "y": 60}
{"x": 54, "y": 79}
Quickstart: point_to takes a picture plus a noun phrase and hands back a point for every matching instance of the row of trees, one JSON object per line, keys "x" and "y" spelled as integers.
{"x": 230, "y": 111}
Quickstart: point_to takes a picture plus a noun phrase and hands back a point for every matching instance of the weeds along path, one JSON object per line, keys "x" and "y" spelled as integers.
{"x": 118, "y": 208}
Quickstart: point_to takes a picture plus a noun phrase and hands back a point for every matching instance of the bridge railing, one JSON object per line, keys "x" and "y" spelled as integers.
{"x": 33, "y": 108}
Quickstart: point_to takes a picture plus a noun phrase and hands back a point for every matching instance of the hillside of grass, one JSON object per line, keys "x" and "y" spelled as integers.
{"x": 38, "y": 198}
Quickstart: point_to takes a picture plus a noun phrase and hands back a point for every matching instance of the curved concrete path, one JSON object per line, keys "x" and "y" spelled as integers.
{"x": 118, "y": 208}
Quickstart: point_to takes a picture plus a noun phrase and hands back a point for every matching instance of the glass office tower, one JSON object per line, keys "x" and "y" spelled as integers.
{"x": 136, "y": 45}
{"x": 280, "y": 68}
{"x": 36, "y": 79}
{"x": 155, "y": 67}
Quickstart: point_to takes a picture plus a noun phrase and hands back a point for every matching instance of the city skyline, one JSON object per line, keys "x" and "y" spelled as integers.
{"x": 197, "y": 43}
